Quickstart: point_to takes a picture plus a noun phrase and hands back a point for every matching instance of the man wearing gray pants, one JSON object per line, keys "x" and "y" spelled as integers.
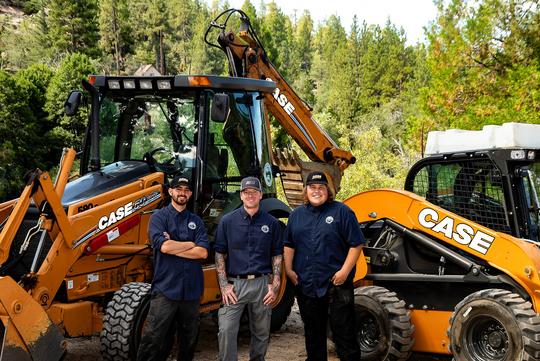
{"x": 249, "y": 251}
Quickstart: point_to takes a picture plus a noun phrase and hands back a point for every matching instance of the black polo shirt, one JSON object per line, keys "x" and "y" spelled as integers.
{"x": 321, "y": 237}
{"x": 249, "y": 242}
{"x": 177, "y": 278}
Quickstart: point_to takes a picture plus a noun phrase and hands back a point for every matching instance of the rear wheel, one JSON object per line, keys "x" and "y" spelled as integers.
{"x": 494, "y": 325}
{"x": 123, "y": 322}
{"x": 383, "y": 324}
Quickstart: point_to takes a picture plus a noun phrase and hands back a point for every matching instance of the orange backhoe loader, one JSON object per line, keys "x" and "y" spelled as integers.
{"x": 75, "y": 256}
{"x": 454, "y": 259}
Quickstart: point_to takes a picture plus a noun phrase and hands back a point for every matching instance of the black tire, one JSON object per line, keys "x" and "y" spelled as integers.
{"x": 385, "y": 331}
{"x": 123, "y": 322}
{"x": 282, "y": 310}
{"x": 493, "y": 325}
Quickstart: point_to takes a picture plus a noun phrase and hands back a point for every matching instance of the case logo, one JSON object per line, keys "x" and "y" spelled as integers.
{"x": 461, "y": 233}
{"x": 126, "y": 210}
{"x": 283, "y": 101}
{"x": 192, "y": 225}
{"x": 265, "y": 228}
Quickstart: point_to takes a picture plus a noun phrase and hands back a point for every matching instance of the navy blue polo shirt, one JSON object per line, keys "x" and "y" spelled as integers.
{"x": 177, "y": 278}
{"x": 249, "y": 242}
{"x": 321, "y": 237}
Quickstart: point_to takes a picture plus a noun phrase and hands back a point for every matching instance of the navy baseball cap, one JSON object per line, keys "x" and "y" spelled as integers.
{"x": 250, "y": 183}
{"x": 316, "y": 178}
{"x": 180, "y": 181}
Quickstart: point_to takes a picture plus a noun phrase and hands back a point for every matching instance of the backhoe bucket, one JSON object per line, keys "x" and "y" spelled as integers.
{"x": 26, "y": 332}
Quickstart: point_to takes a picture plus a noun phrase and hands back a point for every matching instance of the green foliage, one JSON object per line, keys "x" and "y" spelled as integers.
{"x": 377, "y": 166}
{"x": 36, "y": 78}
{"x": 13, "y": 132}
{"x": 373, "y": 92}
{"x": 67, "y": 131}
{"x": 484, "y": 61}
{"x": 73, "y": 26}
{"x": 116, "y": 38}
{"x": 22, "y": 141}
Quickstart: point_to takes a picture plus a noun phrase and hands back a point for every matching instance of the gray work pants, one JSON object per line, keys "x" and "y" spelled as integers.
{"x": 250, "y": 294}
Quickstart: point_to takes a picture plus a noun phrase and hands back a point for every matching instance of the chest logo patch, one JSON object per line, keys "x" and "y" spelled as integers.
{"x": 329, "y": 219}
{"x": 265, "y": 228}
{"x": 192, "y": 225}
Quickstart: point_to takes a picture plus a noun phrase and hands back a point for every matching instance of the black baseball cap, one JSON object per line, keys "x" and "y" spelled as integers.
{"x": 316, "y": 178}
{"x": 180, "y": 181}
{"x": 250, "y": 183}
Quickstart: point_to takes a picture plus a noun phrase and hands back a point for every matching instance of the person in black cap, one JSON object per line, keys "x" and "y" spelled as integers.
{"x": 248, "y": 260}
{"x": 179, "y": 242}
{"x": 322, "y": 244}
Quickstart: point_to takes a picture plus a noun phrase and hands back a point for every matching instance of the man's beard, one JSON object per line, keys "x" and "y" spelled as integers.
{"x": 181, "y": 201}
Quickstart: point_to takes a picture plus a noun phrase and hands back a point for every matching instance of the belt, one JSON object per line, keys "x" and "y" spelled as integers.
{"x": 249, "y": 276}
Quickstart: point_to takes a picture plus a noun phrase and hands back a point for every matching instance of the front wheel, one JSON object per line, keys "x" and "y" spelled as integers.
{"x": 123, "y": 322}
{"x": 494, "y": 325}
{"x": 383, "y": 324}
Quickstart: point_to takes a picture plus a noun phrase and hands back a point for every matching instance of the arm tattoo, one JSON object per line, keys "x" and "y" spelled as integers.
{"x": 276, "y": 270}
{"x": 220, "y": 269}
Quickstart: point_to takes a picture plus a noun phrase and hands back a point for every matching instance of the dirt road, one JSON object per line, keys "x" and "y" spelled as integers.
{"x": 285, "y": 345}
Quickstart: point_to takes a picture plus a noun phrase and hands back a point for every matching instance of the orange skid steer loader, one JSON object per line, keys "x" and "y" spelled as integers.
{"x": 454, "y": 259}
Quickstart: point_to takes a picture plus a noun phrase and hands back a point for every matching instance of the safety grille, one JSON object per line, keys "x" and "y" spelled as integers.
{"x": 473, "y": 190}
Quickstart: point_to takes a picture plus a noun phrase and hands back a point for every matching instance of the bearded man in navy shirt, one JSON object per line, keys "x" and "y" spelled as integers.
{"x": 323, "y": 243}
{"x": 180, "y": 242}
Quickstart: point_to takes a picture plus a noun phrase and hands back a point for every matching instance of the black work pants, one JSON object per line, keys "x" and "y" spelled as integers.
{"x": 166, "y": 317}
{"x": 336, "y": 307}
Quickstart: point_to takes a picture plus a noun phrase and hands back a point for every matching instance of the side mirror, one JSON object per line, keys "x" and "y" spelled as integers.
{"x": 71, "y": 106}
{"x": 220, "y": 108}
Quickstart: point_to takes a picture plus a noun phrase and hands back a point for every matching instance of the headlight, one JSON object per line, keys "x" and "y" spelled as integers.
{"x": 164, "y": 84}
{"x": 113, "y": 84}
{"x": 145, "y": 84}
{"x": 129, "y": 84}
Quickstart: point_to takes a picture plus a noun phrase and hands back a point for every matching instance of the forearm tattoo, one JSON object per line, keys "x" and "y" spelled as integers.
{"x": 220, "y": 269}
{"x": 276, "y": 271}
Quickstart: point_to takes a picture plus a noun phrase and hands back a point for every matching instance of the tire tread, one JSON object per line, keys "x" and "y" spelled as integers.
{"x": 118, "y": 321}
{"x": 401, "y": 328}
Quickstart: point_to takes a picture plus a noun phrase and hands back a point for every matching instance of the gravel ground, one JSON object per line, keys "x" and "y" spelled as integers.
{"x": 285, "y": 345}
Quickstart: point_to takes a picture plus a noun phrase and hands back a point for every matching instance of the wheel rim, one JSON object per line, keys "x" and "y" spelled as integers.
{"x": 487, "y": 339}
{"x": 369, "y": 331}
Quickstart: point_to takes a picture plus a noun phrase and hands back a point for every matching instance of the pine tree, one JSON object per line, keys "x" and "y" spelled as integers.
{"x": 73, "y": 26}
{"x": 150, "y": 24}
{"x": 115, "y": 31}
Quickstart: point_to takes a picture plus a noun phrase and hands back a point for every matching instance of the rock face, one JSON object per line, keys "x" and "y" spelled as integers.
{"x": 13, "y": 14}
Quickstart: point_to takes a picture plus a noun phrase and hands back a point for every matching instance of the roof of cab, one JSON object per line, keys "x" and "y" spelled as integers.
{"x": 183, "y": 81}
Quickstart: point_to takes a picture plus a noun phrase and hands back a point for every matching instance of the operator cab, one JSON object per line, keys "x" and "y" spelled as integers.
{"x": 210, "y": 129}
{"x": 489, "y": 176}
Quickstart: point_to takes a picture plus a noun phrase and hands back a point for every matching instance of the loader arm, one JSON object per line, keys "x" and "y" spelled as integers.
{"x": 247, "y": 58}
{"x": 26, "y": 330}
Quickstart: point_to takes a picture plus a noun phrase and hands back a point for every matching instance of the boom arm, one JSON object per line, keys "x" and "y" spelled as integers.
{"x": 248, "y": 59}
